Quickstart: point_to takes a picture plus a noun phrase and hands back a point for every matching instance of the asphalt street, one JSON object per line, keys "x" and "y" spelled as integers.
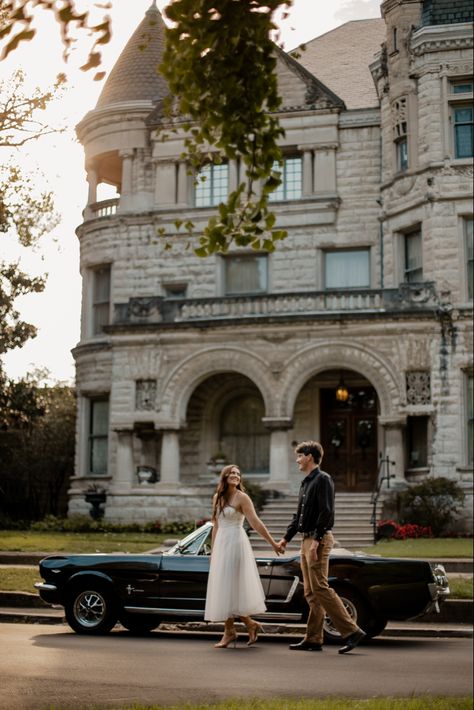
{"x": 43, "y": 666}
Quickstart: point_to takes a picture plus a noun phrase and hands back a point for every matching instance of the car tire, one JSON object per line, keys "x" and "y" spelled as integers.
{"x": 138, "y": 624}
{"x": 357, "y": 610}
{"x": 91, "y": 609}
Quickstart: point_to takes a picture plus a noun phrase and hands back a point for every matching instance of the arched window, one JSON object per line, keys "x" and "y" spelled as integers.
{"x": 244, "y": 439}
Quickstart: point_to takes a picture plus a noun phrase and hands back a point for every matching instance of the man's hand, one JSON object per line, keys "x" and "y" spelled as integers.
{"x": 282, "y": 545}
{"x": 313, "y": 550}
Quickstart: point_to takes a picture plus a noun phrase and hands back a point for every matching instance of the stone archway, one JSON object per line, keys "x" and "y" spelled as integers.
{"x": 187, "y": 375}
{"x": 341, "y": 355}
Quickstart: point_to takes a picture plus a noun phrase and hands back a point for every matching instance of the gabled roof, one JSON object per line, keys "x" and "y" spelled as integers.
{"x": 340, "y": 59}
{"x": 446, "y": 12}
{"x": 135, "y": 74}
{"x": 299, "y": 88}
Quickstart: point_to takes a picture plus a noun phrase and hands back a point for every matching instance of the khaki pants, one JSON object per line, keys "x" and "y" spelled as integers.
{"x": 319, "y": 595}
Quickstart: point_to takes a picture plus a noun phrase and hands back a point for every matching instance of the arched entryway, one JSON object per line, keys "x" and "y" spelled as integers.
{"x": 346, "y": 427}
{"x": 224, "y": 416}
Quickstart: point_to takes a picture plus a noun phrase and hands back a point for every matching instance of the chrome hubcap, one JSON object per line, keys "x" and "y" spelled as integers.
{"x": 89, "y": 608}
{"x": 351, "y": 610}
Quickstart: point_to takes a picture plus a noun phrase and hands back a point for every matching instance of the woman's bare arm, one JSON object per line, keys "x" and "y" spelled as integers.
{"x": 248, "y": 509}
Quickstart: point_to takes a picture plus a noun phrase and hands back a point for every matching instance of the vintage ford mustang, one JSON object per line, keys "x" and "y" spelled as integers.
{"x": 140, "y": 591}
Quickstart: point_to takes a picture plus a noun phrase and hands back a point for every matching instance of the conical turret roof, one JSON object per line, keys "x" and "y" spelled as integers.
{"x": 135, "y": 75}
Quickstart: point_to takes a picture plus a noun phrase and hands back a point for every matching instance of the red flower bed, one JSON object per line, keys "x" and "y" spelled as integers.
{"x": 390, "y": 529}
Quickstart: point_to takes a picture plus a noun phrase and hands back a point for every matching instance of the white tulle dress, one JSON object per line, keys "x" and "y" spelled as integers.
{"x": 234, "y": 587}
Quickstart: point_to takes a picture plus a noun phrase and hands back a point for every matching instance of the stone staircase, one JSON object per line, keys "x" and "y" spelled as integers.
{"x": 352, "y": 528}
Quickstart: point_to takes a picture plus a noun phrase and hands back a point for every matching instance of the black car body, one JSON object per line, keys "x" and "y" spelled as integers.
{"x": 140, "y": 591}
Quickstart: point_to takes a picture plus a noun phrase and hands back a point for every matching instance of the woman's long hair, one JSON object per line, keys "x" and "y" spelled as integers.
{"x": 222, "y": 491}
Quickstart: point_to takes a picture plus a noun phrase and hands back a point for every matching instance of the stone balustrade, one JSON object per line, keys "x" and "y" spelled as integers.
{"x": 105, "y": 208}
{"x": 157, "y": 309}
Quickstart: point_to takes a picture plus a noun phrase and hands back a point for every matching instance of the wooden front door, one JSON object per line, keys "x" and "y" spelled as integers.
{"x": 349, "y": 438}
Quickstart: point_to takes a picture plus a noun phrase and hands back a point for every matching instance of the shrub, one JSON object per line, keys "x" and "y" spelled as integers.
{"x": 432, "y": 503}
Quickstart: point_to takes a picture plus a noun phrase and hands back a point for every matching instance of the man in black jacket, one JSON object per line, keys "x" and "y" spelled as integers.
{"x": 314, "y": 518}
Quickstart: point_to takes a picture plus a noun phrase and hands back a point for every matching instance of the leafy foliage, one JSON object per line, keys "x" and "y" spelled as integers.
{"x": 219, "y": 63}
{"x": 17, "y": 25}
{"x": 26, "y": 215}
{"x": 431, "y": 503}
{"x": 37, "y": 450}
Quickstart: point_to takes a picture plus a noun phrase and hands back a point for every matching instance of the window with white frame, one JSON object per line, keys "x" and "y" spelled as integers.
{"x": 100, "y": 299}
{"x": 400, "y": 132}
{"x": 412, "y": 257}
{"x": 347, "y": 268}
{"x": 212, "y": 185}
{"x": 470, "y": 417}
{"x": 98, "y": 435}
{"x": 462, "y": 117}
{"x": 291, "y": 176}
{"x": 245, "y": 274}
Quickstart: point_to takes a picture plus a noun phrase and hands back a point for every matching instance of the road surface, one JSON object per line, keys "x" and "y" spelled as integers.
{"x": 42, "y": 666}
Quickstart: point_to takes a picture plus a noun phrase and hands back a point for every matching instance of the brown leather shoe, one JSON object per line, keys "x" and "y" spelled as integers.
{"x": 305, "y": 646}
{"x": 352, "y": 641}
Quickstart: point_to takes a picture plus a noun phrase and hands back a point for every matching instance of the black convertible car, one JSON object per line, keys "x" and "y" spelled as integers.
{"x": 140, "y": 591}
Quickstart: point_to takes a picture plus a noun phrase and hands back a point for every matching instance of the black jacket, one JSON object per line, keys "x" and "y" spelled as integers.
{"x": 315, "y": 513}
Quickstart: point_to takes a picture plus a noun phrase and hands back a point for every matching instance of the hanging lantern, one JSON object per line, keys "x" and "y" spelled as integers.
{"x": 342, "y": 393}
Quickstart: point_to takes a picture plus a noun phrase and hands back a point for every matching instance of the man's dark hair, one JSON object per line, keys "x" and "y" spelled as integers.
{"x": 311, "y": 447}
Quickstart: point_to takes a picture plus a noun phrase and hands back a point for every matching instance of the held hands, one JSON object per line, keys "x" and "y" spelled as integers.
{"x": 281, "y": 546}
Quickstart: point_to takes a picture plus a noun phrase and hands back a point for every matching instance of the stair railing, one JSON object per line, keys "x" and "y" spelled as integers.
{"x": 383, "y": 474}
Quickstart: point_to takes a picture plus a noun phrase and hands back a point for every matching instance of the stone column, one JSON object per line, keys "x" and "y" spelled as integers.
{"x": 92, "y": 179}
{"x": 307, "y": 171}
{"x": 325, "y": 169}
{"x": 127, "y": 179}
{"x": 125, "y": 469}
{"x": 279, "y": 452}
{"x": 182, "y": 183}
{"x": 169, "y": 466}
{"x": 233, "y": 175}
{"x": 393, "y": 448}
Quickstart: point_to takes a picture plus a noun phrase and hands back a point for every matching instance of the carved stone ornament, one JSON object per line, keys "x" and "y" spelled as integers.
{"x": 418, "y": 387}
{"x": 145, "y": 395}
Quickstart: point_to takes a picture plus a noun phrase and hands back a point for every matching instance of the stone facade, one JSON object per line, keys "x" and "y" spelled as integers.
{"x": 172, "y": 367}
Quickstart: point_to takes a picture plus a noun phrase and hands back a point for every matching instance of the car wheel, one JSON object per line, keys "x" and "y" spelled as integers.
{"x": 91, "y": 610}
{"x": 355, "y": 607}
{"x": 138, "y": 624}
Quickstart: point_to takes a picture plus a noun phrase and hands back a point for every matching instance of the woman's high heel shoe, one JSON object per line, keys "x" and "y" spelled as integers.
{"x": 226, "y": 640}
{"x": 254, "y": 630}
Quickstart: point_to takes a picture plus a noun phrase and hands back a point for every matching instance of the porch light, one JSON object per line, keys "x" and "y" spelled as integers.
{"x": 342, "y": 393}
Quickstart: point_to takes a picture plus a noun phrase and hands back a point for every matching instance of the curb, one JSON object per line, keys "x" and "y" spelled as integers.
{"x": 55, "y": 616}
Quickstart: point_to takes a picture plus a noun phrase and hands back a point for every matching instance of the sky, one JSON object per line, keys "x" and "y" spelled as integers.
{"x": 59, "y": 161}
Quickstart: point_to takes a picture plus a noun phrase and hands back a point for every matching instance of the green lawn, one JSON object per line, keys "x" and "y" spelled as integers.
{"x": 22, "y": 579}
{"x": 424, "y": 547}
{"x": 32, "y": 541}
{"x": 422, "y": 703}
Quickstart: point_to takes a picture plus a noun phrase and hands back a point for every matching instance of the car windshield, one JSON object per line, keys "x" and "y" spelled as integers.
{"x": 196, "y": 543}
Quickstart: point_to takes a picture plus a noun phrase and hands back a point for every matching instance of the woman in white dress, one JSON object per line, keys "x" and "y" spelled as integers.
{"x": 234, "y": 587}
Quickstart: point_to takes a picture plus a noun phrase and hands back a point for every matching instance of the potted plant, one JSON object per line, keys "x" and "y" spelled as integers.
{"x": 96, "y": 496}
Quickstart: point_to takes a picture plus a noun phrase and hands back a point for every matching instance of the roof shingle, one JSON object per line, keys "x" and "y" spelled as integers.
{"x": 340, "y": 59}
{"x": 135, "y": 76}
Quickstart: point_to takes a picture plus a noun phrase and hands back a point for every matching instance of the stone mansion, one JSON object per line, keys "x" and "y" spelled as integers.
{"x": 357, "y": 331}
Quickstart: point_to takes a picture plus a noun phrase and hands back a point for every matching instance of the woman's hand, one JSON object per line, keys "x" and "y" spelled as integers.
{"x": 276, "y": 547}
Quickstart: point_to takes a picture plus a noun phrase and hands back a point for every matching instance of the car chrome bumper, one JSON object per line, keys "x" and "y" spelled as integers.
{"x": 45, "y": 587}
